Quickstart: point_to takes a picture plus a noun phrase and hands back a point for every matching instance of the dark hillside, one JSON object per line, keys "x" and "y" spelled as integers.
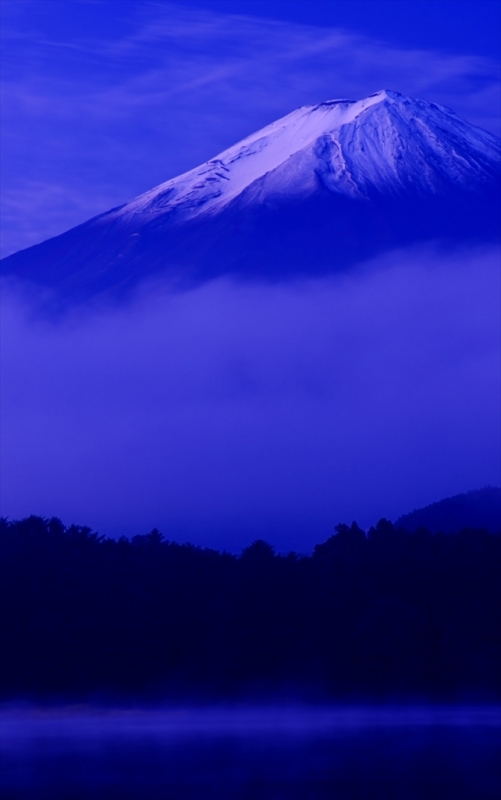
{"x": 477, "y": 509}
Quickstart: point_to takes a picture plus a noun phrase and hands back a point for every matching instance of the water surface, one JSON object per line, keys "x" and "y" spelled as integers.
{"x": 303, "y": 752}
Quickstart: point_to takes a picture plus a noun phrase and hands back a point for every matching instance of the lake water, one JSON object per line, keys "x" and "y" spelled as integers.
{"x": 266, "y": 753}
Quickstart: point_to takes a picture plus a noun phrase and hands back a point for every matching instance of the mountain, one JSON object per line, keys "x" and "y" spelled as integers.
{"x": 313, "y": 193}
{"x": 477, "y": 509}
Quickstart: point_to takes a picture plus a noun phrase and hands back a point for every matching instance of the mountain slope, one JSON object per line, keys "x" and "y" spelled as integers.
{"x": 312, "y": 193}
{"x": 476, "y": 509}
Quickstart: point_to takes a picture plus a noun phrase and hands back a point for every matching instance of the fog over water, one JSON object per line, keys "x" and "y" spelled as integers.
{"x": 258, "y": 751}
{"x": 22, "y": 724}
{"x": 238, "y": 410}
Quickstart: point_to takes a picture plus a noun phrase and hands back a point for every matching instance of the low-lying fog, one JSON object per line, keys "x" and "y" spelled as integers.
{"x": 243, "y": 410}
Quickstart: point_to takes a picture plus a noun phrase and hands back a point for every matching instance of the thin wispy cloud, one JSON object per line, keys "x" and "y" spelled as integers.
{"x": 90, "y": 122}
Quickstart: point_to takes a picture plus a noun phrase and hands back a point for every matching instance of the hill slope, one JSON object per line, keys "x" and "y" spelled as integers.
{"x": 476, "y": 509}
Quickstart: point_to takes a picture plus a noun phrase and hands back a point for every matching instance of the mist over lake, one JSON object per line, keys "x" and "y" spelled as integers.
{"x": 251, "y": 751}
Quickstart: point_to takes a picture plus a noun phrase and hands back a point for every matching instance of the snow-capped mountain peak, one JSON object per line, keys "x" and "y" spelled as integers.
{"x": 384, "y": 143}
{"x": 319, "y": 190}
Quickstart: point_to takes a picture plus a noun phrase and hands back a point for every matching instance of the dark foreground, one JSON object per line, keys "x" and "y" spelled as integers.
{"x": 391, "y": 615}
{"x": 251, "y": 752}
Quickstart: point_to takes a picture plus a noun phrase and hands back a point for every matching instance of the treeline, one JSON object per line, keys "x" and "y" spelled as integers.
{"x": 388, "y": 614}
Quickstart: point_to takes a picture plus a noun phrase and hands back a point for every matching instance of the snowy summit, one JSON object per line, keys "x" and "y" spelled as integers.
{"x": 385, "y": 143}
{"x": 314, "y": 192}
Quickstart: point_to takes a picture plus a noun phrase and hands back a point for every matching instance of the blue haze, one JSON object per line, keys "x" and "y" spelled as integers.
{"x": 235, "y": 411}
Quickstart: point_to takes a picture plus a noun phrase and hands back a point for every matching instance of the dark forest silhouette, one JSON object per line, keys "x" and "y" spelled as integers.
{"x": 388, "y": 614}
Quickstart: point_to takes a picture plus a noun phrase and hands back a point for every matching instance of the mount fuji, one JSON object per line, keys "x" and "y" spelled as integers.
{"x": 313, "y": 193}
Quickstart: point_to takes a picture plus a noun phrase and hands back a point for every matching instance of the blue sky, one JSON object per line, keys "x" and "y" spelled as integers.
{"x": 228, "y": 412}
{"x": 447, "y": 25}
